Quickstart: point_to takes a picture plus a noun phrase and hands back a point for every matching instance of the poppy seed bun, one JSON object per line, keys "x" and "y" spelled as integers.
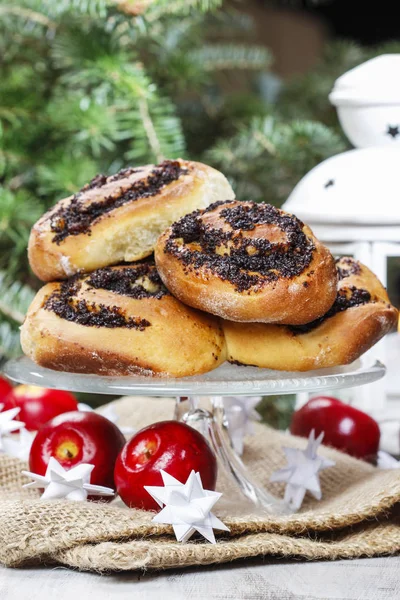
{"x": 247, "y": 262}
{"x": 360, "y": 317}
{"x": 120, "y": 321}
{"x": 118, "y": 219}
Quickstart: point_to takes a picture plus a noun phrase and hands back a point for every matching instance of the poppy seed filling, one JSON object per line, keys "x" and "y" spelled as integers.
{"x": 346, "y": 298}
{"x": 129, "y": 281}
{"x": 247, "y": 262}
{"x": 347, "y": 267}
{"x": 76, "y": 217}
{"x": 64, "y": 303}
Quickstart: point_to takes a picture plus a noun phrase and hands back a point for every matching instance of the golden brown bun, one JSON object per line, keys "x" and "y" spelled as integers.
{"x": 247, "y": 262}
{"x": 331, "y": 341}
{"x": 118, "y": 219}
{"x": 120, "y": 321}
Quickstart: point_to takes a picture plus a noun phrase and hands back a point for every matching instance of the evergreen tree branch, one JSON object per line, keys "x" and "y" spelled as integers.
{"x": 161, "y": 8}
{"x": 15, "y": 299}
{"x": 149, "y": 128}
{"x": 11, "y": 313}
{"x": 231, "y": 56}
{"x": 265, "y": 142}
{"x": 28, "y": 14}
{"x": 9, "y": 341}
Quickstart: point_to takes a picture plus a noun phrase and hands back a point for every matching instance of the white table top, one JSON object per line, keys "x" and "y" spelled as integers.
{"x": 369, "y": 579}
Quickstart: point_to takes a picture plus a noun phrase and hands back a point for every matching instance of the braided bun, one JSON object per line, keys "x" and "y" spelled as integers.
{"x": 360, "y": 317}
{"x": 120, "y": 321}
{"x": 118, "y": 218}
{"x": 247, "y": 262}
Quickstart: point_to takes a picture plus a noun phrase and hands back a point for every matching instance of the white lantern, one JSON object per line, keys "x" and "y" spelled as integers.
{"x": 352, "y": 200}
{"x": 368, "y": 102}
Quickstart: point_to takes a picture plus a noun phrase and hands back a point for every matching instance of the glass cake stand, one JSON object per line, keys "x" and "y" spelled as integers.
{"x": 200, "y": 404}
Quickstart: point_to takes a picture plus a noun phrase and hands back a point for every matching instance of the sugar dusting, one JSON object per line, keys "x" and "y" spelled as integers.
{"x": 65, "y": 262}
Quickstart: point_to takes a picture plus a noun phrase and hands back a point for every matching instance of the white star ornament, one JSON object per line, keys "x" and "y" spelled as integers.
{"x": 301, "y": 472}
{"x": 240, "y": 415}
{"x": 19, "y": 447}
{"x": 187, "y": 507}
{"x": 72, "y": 484}
{"x": 7, "y": 423}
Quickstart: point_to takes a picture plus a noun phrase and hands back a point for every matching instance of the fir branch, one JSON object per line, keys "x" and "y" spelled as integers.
{"x": 219, "y": 57}
{"x": 161, "y": 8}
{"x": 27, "y": 14}
{"x": 93, "y": 50}
{"x": 265, "y": 143}
{"x": 88, "y": 123}
{"x": 47, "y": 12}
{"x": 13, "y": 115}
{"x": 15, "y": 299}
{"x": 150, "y": 130}
{"x": 64, "y": 174}
{"x": 164, "y": 125}
{"x": 92, "y": 8}
{"x": 230, "y": 23}
{"x": 17, "y": 207}
{"x": 9, "y": 341}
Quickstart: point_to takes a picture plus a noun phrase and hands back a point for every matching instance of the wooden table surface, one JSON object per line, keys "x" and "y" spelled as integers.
{"x": 367, "y": 579}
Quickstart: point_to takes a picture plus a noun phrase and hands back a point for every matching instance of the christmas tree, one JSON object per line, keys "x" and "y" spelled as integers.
{"x": 90, "y": 86}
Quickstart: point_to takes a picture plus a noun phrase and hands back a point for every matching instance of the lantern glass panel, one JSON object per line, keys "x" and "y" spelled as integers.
{"x": 393, "y": 279}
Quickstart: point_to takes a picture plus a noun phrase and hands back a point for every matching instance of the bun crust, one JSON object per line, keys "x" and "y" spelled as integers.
{"x": 120, "y": 321}
{"x": 360, "y": 317}
{"x": 118, "y": 219}
{"x": 247, "y": 262}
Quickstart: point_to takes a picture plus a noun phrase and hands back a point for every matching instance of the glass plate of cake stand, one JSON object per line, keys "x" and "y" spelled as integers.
{"x": 199, "y": 402}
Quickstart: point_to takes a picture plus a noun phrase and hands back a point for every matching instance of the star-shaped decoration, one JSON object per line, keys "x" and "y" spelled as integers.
{"x": 329, "y": 183}
{"x": 72, "y": 484}
{"x": 7, "y": 424}
{"x": 109, "y": 413}
{"x": 387, "y": 461}
{"x": 240, "y": 415}
{"x": 19, "y": 446}
{"x": 301, "y": 472}
{"x": 393, "y": 131}
{"x": 83, "y": 407}
{"x": 187, "y": 507}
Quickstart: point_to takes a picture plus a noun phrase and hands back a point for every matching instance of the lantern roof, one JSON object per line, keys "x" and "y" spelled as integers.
{"x": 360, "y": 187}
{"x": 375, "y": 81}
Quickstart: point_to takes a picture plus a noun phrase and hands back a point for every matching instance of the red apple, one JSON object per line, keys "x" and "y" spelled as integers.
{"x": 79, "y": 437}
{"x": 346, "y": 428}
{"x": 5, "y": 388}
{"x": 169, "y": 445}
{"x": 38, "y": 405}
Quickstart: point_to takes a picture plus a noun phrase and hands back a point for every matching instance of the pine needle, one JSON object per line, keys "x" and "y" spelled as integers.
{"x": 9, "y": 341}
{"x": 15, "y": 299}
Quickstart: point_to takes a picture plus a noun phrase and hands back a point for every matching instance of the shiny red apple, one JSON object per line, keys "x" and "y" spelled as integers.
{"x": 38, "y": 405}
{"x": 79, "y": 437}
{"x": 5, "y": 389}
{"x": 169, "y": 445}
{"x": 346, "y": 428}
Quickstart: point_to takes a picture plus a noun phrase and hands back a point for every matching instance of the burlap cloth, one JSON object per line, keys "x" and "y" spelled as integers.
{"x": 357, "y": 517}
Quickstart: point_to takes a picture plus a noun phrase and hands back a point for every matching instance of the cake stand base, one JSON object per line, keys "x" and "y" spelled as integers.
{"x": 200, "y": 405}
{"x": 241, "y": 491}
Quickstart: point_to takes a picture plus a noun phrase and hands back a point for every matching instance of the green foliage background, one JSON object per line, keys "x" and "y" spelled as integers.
{"x": 90, "y": 86}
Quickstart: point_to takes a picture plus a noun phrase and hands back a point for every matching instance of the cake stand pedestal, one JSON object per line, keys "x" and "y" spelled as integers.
{"x": 200, "y": 404}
